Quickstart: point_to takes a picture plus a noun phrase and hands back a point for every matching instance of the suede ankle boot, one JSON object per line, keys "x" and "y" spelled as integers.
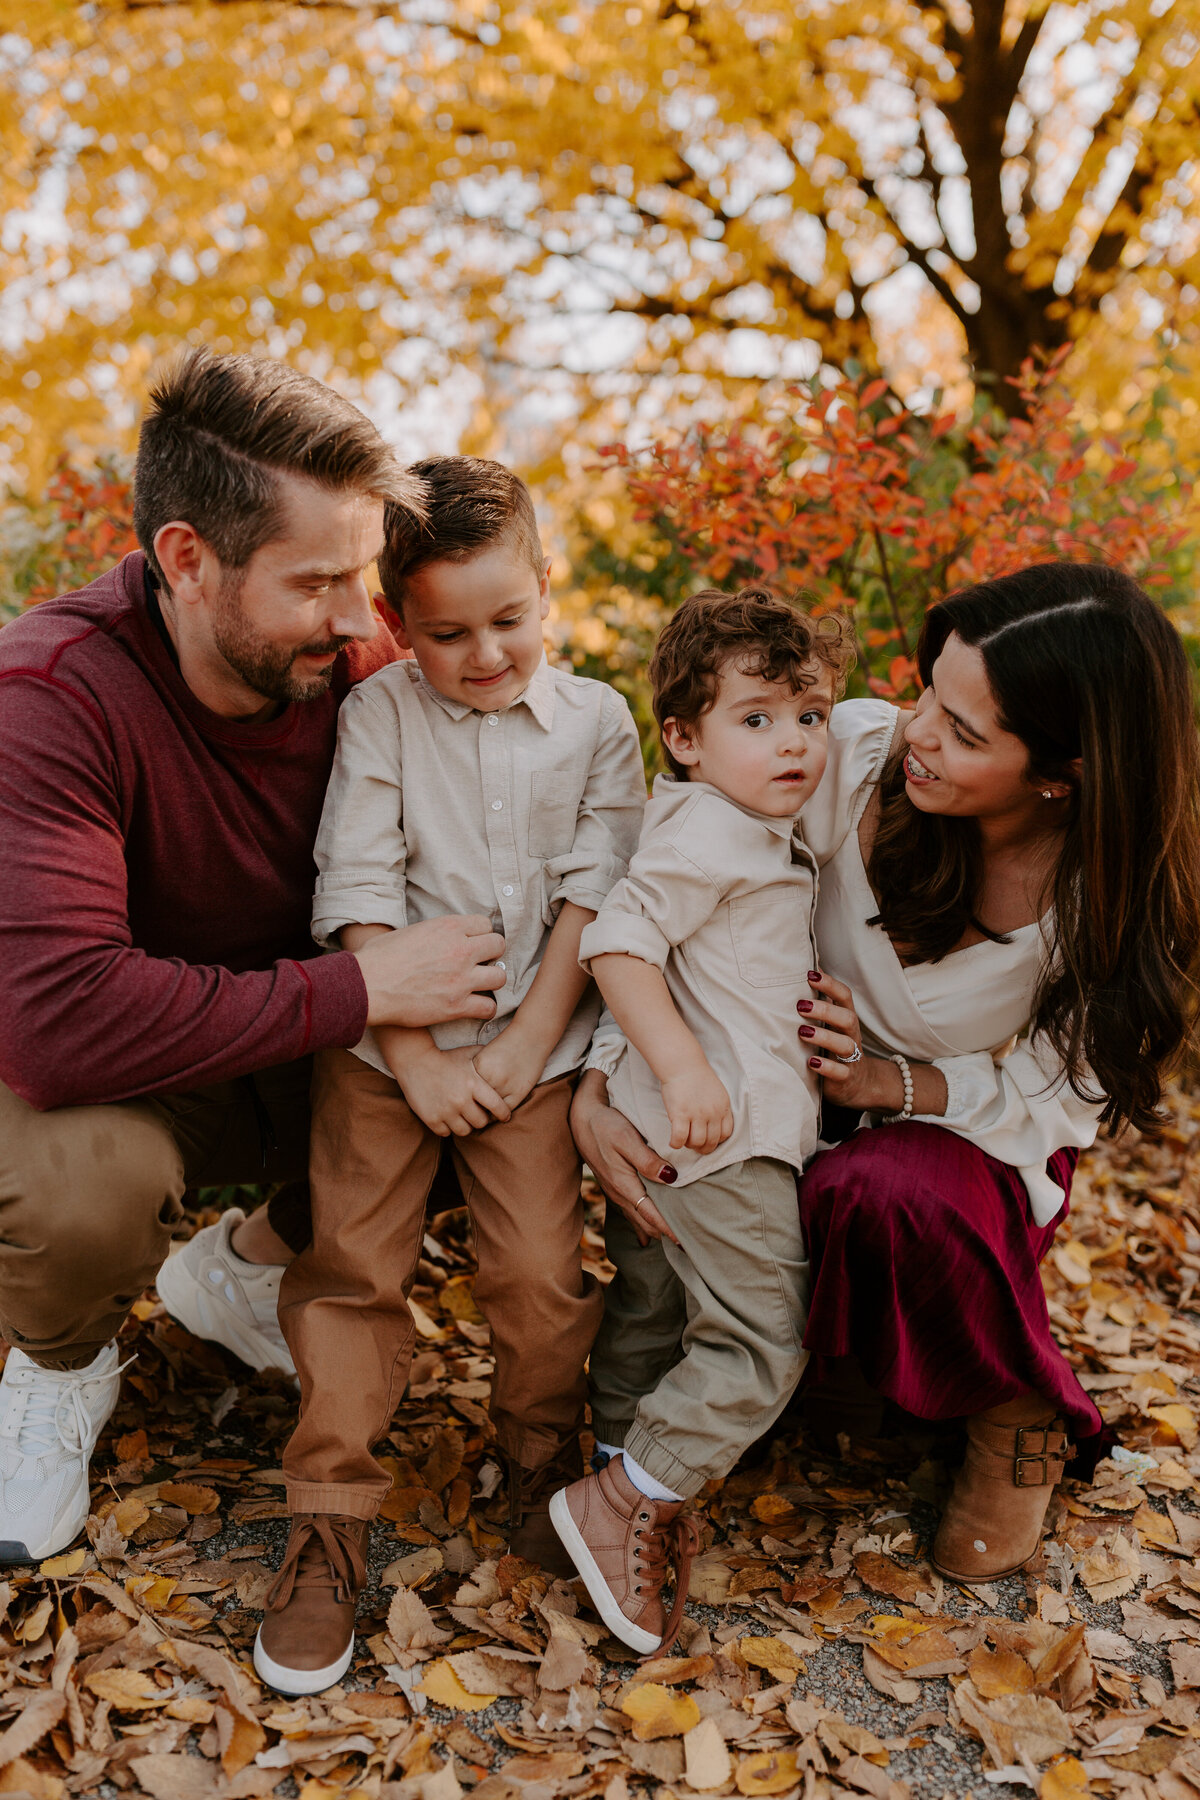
{"x": 993, "y": 1521}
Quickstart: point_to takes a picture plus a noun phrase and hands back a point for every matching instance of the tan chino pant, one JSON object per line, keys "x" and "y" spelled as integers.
{"x": 701, "y": 1345}
{"x": 91, "y": 1196}
{"x": 343, "y": 1304}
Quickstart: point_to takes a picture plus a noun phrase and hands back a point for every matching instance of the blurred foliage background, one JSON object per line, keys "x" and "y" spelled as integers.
{"x": 673, "y": 259}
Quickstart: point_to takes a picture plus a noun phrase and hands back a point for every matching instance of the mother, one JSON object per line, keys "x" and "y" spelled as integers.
{"x": 1010, "y": 896}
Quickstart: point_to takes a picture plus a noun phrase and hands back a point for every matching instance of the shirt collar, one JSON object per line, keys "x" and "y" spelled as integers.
{"x": 539, "y": 696}
{"x": 780, "y": 828}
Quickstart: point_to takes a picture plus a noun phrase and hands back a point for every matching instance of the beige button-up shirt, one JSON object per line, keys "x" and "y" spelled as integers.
{"x": 721, "y": 900}
{"x": 434, "y": 808}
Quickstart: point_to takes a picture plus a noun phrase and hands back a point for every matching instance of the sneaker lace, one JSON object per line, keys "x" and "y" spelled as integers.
{"x": 323, "y": 1551}
{"x": 675, "y": 1543}
{"x": 529, "y": 1488}
{"x": 55, "y": 1414}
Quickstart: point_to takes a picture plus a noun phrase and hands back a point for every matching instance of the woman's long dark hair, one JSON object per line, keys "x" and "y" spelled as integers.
{"x": 1082, "y": 665}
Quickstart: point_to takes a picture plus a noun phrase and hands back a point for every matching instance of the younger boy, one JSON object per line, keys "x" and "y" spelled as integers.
{"x": 701, "y": 954}
{"x": 474, "y": 779}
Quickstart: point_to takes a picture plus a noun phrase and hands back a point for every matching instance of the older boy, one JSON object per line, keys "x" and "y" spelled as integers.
{"x": 474, "y": 769}
{"x": 701, "y": 953}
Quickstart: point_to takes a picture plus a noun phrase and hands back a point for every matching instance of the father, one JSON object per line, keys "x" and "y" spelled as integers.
{"x": 165, "y": 739}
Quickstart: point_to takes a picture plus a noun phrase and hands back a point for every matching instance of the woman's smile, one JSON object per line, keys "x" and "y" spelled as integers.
{"x": 916, "y": 770}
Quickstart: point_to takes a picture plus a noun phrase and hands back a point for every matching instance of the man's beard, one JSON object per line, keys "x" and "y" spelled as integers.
{"x": 266, "y": 668}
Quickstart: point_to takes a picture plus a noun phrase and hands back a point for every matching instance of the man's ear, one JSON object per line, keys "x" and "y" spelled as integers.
{"x": 185, "y": 560}
{"x": 678, "y": 743}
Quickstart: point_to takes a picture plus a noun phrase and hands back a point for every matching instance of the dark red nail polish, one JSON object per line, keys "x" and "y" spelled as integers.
{"x": 814, "y": 1062}
{"x": 807, "y": 1031}
{"x": 668, "y": 1174}
{"x": 814, "y": 974}
{"x": 804, "y": 1006}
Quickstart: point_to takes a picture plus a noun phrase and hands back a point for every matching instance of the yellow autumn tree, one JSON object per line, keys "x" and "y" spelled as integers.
{"x": 543, "y": 211}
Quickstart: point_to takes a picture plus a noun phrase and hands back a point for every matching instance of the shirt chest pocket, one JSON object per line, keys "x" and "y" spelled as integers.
{"x": 553, "y": 811}
{"x": 771, "y": 941}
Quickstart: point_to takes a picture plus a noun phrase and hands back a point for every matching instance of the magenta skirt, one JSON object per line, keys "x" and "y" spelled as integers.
{"x": 925, "y": 1267}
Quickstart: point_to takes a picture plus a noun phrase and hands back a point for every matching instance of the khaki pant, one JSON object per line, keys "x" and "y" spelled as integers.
{"x": 700, "y": 1348}
{"x": 91, "y": 1196}
{"x": 343, "y": 1304}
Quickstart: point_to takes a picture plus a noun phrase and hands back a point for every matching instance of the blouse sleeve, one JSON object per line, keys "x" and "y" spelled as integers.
{"x": 1019, "y": 1109}
{"x": 860, "y": 736}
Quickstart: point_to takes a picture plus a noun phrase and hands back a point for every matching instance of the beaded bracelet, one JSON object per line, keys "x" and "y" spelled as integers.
{"x": 906, "y": 1110}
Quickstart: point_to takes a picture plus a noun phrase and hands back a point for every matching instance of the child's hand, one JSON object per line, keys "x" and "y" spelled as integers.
{"x": 511, "y": 1064}
{"x": 698, "y": 1108}
{"x": 448, "y": 1093}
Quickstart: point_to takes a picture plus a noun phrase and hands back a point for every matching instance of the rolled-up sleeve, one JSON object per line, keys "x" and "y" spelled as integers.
{"x": 664, "y": 898}
{"x": 1020, "y": 1109}
{"x": 360, "y": 849}
{"x": 610, "y": 814}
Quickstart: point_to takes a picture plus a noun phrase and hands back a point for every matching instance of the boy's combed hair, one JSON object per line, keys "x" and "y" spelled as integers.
{"x": 473, "y": 505}
{"x": 754, "y": 628}
{"x": 220, "y": 430}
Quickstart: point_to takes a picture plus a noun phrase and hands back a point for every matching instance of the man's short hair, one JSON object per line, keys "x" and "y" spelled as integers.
{"x": 220, "y": 430}
{"x": 473, "y": 505}
{"x": 755, "y": 630}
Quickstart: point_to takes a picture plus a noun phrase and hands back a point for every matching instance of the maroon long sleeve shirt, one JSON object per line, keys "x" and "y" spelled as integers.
{"x": 156, "y": 869}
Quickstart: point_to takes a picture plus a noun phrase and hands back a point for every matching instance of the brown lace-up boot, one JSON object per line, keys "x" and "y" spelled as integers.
{"x": 530, "y": 1533}
{"x": 993, "y": 1520}
{"x": 622, "y": 1544}
{"x": 306, "y": 1639}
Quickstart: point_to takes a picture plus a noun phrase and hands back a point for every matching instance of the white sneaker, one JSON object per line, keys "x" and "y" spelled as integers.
{"x": 214, "y": 1293}
{"x": 49, "y": 1422}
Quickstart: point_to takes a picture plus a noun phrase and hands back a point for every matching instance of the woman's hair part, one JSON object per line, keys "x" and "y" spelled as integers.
{"x": 1093, "y": 679}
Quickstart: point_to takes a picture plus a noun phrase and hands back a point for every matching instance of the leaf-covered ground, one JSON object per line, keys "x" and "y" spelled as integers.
{"x": 821, "y": 1656}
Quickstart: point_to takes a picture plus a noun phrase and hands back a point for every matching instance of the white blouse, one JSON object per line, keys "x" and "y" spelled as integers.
{"x": 968, "y": 1014}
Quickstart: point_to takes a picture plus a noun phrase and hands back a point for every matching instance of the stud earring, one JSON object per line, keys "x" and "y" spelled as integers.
{"x": 1046, "y": 794}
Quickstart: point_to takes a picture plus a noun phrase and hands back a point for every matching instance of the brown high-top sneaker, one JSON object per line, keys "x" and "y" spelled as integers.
{"x": 530, "y": 1533}
{"x": 621, "y": 1542}
{"x": 306, "y": 1639}
{"x": 993, "y": 1520}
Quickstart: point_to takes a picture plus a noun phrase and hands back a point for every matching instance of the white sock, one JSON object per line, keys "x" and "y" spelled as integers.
{"x": 646, "y": 1484}
{"x": 609, "y": 1450}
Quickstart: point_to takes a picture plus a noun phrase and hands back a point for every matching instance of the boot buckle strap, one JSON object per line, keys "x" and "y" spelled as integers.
{"x": 1026, "y": 1436}
{"x": 1049, "y": 1471}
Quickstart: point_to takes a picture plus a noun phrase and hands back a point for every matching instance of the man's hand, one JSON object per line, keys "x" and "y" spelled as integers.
{"x": 698, "y": 1108}
{"x": 512, "y": 1063}
{"x": 448, "y": 1093}
{"x": 426, "y": 974}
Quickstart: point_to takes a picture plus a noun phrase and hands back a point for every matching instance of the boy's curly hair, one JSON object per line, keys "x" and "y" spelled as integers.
{"x": 758, "y": 630}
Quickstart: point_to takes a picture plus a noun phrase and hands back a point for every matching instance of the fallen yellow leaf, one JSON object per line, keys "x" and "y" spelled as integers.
{"x": 657, "y": 1712}
{"x": 443, "y": 1686}
{"x": 1178, "y": 1422}
{"x": 768, "y": 1772}
{"x": 772, "y": 1654}
{"x": 127, "y": 1689}
{"x": 192, "y": 1498}
{"x": 70, "y": 1564}
{"x": 129, "y": 1514}
{"x": 997, "y": 1672}
{"x": 1064, "y": 1780}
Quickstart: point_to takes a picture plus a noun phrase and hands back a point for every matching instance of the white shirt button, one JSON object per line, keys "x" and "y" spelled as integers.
{"x": 507, "y": 890}
{"x": 501, "y": 965}
{"x": 497, "y": 805}
{"x": 491, "y": 719}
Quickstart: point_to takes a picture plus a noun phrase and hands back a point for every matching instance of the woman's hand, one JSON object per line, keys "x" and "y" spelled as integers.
{"x": 832, "y": 1033}
{"x": 621, "y": 1161}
